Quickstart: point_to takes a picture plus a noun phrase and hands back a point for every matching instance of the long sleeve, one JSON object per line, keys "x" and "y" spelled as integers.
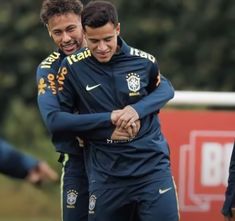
{"x": 14, "y": 163}
{"x": 230, "y": 191}
{"x": 58, "y": 121}
{"x": 156, "y": 99}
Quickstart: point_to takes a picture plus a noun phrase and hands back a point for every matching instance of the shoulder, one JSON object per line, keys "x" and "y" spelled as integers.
{"x": 78, "y": 57}
{"x": 51, "y": 61}
{"x": 49, "y": 65}
{"x": 142, "y": 55}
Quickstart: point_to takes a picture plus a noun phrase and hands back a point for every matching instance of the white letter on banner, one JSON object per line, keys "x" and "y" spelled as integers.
{"x": 211, "y": 168}
{"x": 228, "y": 147}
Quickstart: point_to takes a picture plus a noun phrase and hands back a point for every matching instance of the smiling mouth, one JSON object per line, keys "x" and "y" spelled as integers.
{"x": 69, "y": 47}
{"x": 103, "y": 54}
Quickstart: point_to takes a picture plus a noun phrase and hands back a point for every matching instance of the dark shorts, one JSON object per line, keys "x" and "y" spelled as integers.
{"x": 155, "y": 201}
{"x": 74, "y": 188}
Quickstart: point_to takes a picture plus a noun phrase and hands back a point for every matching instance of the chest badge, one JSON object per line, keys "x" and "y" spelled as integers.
{"x": 133, "y": 83}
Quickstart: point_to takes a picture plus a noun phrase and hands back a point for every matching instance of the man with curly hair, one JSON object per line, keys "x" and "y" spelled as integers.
{"x": 62, "y": 19}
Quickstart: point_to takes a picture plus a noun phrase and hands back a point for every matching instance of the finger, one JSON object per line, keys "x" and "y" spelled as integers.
{"x": 130, "y": 119}
{"x": 118, "y": 117}
{"x": 47, "y": 172}
{"x": 119, "y": 134}
{"x": 122, "y": 133}
{"x": 130, "y": 123}
{"x": 120, "y": 137}
{"x": 137, "y": 122}
{"x": 33, "y": 176}
{"x": 118, "y": 122}
{"x": 122, "y": 123}
{"x": 130, "y": 131}
{"x": 134, "y": 129}
{"x": 114, "y": 117}
{"x": 126, "y": 117}
{"x": 124, "y": 138}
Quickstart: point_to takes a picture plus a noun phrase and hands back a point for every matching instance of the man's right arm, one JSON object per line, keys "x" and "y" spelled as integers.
{"x": 90, "y": 126}
{"x": 58, "y": 121}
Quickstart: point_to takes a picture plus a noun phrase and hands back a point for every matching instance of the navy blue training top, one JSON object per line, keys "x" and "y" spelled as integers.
{"x": 63, "y": 126}
{"x": 129, "y": 78}
{"x": 230, "y": 191}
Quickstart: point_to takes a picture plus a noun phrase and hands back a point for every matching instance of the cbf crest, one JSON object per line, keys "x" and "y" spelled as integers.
{"x": 133, "y": 83}
{"x": 92, "y": 202}
{"x": 71, "y": 198}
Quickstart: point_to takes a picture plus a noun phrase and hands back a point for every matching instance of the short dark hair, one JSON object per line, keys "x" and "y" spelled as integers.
{"x": 57, "y": 7}
{"x": 98, "y": 13}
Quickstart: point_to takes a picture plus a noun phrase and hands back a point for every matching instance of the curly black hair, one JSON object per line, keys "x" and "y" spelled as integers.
{"x": 57, "y": 7}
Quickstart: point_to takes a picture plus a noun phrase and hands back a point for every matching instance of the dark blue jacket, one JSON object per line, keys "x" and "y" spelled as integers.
{"x": 14, "y": 163}
{"x": 230, "y": 191}
{"x": 129, "y": 78}
{"x": 63, "y": 126}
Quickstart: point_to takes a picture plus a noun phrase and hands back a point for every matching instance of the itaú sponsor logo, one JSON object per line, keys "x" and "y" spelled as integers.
{"x": 203, "y": 169}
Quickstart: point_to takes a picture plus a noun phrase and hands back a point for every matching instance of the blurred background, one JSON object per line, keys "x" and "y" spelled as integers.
{"x": 193, "y": 41}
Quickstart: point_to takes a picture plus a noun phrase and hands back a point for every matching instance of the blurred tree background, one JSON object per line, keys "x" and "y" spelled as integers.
{"x": 193, "y": 41}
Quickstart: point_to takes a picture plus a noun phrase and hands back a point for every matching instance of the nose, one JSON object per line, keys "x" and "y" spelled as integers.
{"x": 66, "y": 37}
{"x": 102, "y": 46}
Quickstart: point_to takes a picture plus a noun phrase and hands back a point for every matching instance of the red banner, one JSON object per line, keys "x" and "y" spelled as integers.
{"x": 201, "y": 144}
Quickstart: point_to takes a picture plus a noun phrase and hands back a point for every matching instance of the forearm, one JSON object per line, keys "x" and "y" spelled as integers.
{"x": 14, "y": 163}
{"x": 58, "y": 121}
{"x": 155, "y": 100}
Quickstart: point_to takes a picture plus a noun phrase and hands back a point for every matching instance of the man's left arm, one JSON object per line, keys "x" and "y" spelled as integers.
{"x": 158, "y": 94}
{"x": 151, "y": 103}
{"x": 156, "y": 100}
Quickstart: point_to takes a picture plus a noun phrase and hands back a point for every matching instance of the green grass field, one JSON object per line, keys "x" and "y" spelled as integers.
{"x": 21, "y": 201}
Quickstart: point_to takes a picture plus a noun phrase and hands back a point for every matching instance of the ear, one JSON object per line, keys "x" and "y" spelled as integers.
{"x": 118, "y": 28}
{"x": 49, "y": 32}
{"x": 84, "y": 34}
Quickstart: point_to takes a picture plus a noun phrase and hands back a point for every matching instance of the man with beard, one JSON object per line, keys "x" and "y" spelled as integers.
{"x": 62, "y": 19}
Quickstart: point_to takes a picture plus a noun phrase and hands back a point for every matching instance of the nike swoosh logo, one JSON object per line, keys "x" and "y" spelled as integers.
{"x": 161, "y": 191}
{"x": 88, "y": 88}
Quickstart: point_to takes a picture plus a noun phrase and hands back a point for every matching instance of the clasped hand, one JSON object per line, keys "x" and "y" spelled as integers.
{"x": 127, "y": 123}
